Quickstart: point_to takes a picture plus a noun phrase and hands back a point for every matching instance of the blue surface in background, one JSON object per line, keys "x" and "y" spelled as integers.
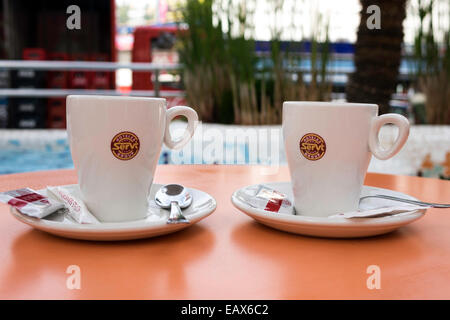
{"x": 21, "y": 156}
{"x": 32, "y": 160}
{"x": 17, "y": 158}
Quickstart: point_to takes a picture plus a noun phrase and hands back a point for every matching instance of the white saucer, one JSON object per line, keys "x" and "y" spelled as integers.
{"x": 154, "y": 225}
{"x": 325, "y": 226}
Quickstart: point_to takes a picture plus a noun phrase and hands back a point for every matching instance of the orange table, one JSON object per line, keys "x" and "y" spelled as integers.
{"x": 228, "y": 255}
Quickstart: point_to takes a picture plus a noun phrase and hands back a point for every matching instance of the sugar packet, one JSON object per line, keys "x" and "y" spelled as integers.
{"x": 379, "y": 212}
{"x": 261, "y": 196}
{"x": 77, "y": 209}
{"x": 30, "y": 202}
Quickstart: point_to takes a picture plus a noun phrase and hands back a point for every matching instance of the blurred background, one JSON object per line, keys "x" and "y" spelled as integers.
{"x": 234, "y": 61}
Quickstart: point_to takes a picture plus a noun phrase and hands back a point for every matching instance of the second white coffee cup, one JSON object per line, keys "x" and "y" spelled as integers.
{"x": 328, "y": 147}
{"x": 115, "y": 144}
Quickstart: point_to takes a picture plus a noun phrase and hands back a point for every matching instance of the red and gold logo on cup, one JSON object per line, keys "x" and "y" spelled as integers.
{"x": 125, "y": 145}
{"x": 312, "y": 146}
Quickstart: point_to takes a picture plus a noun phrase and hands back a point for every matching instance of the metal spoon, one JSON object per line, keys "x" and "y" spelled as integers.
{"x": 419, "y": 203}
{"x": 175, "y": 197}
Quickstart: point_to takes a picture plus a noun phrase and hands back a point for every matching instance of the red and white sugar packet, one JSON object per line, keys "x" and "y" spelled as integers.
{"x": 77, "y": 209}
{"x": 31, "y": 203}
{"x": 262, "y": 197}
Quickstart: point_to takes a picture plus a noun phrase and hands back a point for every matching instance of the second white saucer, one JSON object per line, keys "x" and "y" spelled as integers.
{"x": 327, "y": 226}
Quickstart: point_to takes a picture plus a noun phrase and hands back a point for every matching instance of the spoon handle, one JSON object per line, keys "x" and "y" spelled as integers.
{"x": 420, "y": 203}
{"x": 176, "y": 216}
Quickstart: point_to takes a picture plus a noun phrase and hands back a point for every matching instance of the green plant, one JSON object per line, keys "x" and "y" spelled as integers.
{"x": 289, "y": 81}
{"x": 201, "y": 52}
{"x": 432, "y": 64}
{"x": 221, "y": 76}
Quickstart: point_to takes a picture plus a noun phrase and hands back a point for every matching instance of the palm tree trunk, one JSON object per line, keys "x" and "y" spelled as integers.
{"x": 377, "y": 55}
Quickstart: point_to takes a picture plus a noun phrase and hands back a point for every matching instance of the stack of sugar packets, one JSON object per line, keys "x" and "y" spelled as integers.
{"x": 34, "y": 204}
{"x": 261, "y": 196}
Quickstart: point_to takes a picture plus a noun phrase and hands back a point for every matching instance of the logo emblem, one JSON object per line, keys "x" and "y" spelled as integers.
{"x": 125, "y": 145}
{"x": 312, "y": 146}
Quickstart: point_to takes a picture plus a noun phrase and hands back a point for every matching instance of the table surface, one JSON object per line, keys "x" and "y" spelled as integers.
{"x": 228, "y": 255}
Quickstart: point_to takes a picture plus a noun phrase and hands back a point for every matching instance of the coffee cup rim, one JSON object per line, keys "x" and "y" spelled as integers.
{"x": 104, "y": 97}
{"x": 325, "y": 104}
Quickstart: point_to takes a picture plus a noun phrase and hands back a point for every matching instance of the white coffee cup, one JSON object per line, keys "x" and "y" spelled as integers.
{"x": 115, "y": 144}
{"x": 329, "y": 147}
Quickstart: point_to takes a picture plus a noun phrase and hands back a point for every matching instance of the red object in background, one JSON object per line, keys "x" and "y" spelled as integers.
{"x": 56, "y": 113}
{"x": 58, "y": 79}
{"x": 99, "y": 79}
{"x": 79, "y": 79}
{"x": 142, "y": 52}
{"x": 34, "y": 54}
{"x": 50, "y": 39}
{"x": 156, "y": 44}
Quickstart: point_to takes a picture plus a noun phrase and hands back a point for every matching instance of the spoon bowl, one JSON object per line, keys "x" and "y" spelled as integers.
{"x": 175, "y": 197}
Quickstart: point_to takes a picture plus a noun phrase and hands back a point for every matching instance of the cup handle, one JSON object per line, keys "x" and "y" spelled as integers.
{"x": 192, "y": 118}
{"x": 374, "y": 144}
